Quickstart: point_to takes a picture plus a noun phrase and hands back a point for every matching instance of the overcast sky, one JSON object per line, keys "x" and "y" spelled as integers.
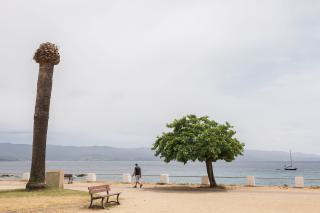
{"x": 129, "y": 67}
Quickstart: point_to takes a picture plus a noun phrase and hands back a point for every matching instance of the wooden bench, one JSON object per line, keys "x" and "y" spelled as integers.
{"x": 70, "y": 178}
{"x": 102, "y": 192}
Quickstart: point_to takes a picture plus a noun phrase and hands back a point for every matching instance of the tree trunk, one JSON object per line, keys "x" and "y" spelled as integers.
{"x": 210, "y": 173}
{"x": 40, "y": 127}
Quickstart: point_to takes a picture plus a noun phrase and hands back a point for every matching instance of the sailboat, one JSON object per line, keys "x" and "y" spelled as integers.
{"x": 290, "y": 167}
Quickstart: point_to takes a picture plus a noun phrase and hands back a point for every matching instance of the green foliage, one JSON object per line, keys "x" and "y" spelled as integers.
{"x": 194, "y": 138}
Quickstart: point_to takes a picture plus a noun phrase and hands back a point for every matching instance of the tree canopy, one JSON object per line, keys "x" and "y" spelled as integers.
{"x": 193, "y": 138}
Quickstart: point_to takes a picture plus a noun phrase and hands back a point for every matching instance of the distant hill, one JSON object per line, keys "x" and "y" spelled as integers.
{"x": 259, "y": 155}
{"x": 21, "y": 152}
{"x": 11, "y": 152}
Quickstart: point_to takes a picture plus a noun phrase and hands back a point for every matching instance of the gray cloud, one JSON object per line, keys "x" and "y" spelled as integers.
{"x": 129, "y": 67}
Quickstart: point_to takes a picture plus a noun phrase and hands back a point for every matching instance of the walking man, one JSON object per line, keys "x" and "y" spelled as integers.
{"x": 137, "y": 175}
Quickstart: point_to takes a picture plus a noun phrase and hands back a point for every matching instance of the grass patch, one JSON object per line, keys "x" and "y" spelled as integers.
{"x": 21, "y": 200}
{"x": 45, "y": 192}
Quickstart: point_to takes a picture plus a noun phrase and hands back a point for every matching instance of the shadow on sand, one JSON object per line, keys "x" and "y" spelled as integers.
{"x": 187, "y": 189}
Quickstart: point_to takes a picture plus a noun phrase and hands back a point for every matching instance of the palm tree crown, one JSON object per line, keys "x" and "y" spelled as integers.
{"x": 47, "y": 53}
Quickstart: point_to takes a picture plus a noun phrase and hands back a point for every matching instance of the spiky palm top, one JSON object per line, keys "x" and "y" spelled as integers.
{"x": 47, "y": 53}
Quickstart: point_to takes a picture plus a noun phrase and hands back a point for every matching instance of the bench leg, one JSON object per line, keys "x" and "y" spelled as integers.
{"x": 91, "y": 203}
{"x": 102, "y": 204}
{"x": 118, "y": 199}
{"x": 107, "y": 200}
{"x": 117, "y": 202}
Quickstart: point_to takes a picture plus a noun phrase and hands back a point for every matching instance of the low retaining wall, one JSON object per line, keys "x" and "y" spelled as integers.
{"x": 251, "y": 181}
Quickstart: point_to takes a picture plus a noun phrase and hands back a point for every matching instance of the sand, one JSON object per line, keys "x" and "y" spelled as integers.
{"x": 154, "y": 198}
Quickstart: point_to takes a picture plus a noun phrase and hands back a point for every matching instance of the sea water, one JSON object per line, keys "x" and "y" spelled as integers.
{"x": 226, "y": 173}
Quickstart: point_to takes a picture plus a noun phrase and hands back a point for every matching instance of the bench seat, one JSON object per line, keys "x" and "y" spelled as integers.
{"x": 70, "y": 178}
{"x": 105, "y": 194}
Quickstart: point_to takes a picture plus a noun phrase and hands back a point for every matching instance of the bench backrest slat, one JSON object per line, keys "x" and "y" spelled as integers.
{"x": 97, "y": 189}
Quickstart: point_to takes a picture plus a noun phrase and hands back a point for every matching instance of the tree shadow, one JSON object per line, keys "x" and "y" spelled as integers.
{"x": 187, "y": 189}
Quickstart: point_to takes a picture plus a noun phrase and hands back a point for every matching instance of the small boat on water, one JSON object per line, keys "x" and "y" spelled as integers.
{"x": 290, "y": 167}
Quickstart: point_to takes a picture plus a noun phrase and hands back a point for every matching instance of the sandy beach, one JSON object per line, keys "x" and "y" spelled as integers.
{"x": 153, "y": 198}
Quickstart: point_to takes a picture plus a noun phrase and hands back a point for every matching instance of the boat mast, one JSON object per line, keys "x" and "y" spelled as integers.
{"x": 290, "y": 159}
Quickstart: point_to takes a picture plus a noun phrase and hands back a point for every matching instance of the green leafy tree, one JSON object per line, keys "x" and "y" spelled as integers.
{"x": 193, "y": 138}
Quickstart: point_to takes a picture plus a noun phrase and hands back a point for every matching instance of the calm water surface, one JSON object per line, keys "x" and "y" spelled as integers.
{"x": 112, "y": 170}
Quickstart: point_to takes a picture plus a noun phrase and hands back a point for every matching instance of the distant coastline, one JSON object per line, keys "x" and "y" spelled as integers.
{"x": 22, "y": 152}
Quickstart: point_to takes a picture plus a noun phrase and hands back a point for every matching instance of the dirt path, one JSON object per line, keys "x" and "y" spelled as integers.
{"x": 189, "y": 199}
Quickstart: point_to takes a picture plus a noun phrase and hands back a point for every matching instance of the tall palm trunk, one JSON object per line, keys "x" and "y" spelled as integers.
{"x": 210, "y": 173}
{"x": 47, "y": 56}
